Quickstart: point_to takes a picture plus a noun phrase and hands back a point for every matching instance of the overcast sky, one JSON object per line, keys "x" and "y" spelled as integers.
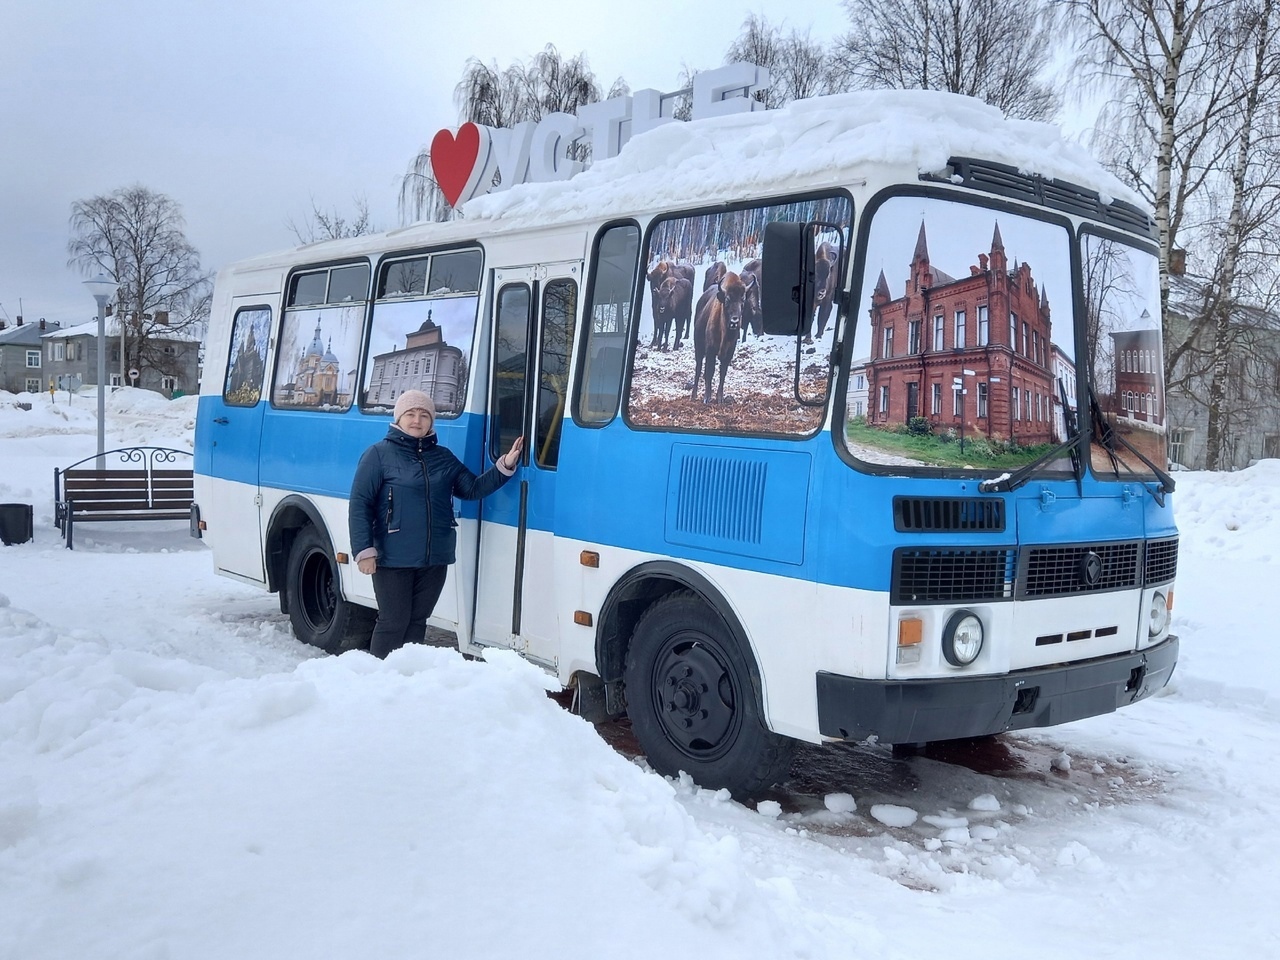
{"x": 243, "y": 112}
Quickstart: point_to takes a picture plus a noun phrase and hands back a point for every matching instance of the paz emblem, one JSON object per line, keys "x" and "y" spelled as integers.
{"x": 1090, "y": 569}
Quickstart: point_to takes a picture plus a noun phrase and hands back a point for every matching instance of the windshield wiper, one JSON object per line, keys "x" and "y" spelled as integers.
{"x": 1011, "y": 481}
{"x": 1107, "y": 436}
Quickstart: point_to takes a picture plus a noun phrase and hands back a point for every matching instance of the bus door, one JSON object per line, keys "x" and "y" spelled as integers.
{"x": 235, "y": 439}
{"x": 533, "y": 322}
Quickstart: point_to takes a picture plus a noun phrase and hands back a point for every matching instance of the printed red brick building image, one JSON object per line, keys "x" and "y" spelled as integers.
{"x": 974, "y": 353}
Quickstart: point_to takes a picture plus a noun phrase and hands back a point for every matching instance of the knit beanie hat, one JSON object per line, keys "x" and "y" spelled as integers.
{"x": 413, "y": 400}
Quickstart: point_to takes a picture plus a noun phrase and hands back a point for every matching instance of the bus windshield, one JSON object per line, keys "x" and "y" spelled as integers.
{"x": 1125, "y": 358}
{"x": 968, "y": 361}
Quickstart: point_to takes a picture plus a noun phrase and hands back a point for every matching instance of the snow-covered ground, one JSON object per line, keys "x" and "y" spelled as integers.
{"x": 180, "y": 779}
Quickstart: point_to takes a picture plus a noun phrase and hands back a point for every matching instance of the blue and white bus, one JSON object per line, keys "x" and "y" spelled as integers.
{"x": 844, "y": 421}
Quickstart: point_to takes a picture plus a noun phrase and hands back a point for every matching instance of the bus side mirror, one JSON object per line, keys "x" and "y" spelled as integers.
{"x": 787, "y": 278}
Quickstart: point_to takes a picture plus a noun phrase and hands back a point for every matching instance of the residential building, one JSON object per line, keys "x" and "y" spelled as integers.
{"x": 172, "y": 367}
{"x": 22, "y": 366}
{"x": 1250, "y": 419}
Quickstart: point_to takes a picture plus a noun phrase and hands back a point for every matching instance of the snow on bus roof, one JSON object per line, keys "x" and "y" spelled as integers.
{"x": 807, "y": 144}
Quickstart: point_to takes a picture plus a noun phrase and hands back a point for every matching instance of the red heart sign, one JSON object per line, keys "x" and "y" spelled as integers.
{"x": 454, "y": 160}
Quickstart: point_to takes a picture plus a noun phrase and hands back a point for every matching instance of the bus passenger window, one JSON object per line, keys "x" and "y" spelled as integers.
{"x": 510, "y": 356}
{"x": 348, "y": 284}
{"x": 455, "y": 272}
{"x": 404, "y": 278}
{"x": 308, "y": 288}
{"x": 559, "y": 305}
{"x": 419, "y": 340}
{"x": 608, "y": 321}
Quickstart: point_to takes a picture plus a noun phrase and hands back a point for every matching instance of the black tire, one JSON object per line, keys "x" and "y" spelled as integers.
{"x": 319, "y": 613}
{"x": 692, "y": 704}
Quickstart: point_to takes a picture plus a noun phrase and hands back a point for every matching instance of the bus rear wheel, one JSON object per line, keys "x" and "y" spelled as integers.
{"x": 320, "y": 615}
{"x": 691, "y": 702}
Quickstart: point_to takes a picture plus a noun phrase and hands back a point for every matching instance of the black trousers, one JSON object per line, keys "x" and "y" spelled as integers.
{"x": 406, "y": 597}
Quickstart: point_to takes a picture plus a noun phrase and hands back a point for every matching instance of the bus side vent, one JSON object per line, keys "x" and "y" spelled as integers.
{"x": 951, "y": 576}
{"x": 944, "y": 514}
{"x": 1082, "y": 568}
{"x": 738, "y": 501}
{"x": 722, "y": 499}
{"x": 1161, "y": 561}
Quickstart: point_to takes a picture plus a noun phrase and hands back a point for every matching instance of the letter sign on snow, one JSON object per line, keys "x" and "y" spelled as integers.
{"x": 460, "y": 160}
{"x": 465, "y": 162}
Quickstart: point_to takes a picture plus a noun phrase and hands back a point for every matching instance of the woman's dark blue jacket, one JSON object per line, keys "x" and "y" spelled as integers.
{"x": 402, "y": 500}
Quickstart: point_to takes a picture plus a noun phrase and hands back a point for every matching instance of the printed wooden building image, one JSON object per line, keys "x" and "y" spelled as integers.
{"x": 426, "y": 363}
{"x": 974, "y": 353}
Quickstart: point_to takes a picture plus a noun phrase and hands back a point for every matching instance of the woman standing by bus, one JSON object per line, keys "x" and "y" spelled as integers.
{"x": 401, "y": 517}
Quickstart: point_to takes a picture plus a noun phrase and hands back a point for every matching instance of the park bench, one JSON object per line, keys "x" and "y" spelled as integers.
{"x": 144, "y": 487}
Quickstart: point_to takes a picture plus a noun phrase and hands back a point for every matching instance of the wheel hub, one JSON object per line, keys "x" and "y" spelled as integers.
{"x": 695, "y": 697}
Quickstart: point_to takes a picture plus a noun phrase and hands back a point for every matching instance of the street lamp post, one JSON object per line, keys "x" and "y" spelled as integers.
{"x": 102, "y": 288}
{"x": 958, "y": 384}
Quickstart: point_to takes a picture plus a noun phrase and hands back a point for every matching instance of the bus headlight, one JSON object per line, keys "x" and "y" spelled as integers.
{"x": 1158, "y": 619}
{"x": 962, "y": 638}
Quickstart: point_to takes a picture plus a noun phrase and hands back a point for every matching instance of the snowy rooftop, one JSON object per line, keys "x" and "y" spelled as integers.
{"x": 188, "y": 335}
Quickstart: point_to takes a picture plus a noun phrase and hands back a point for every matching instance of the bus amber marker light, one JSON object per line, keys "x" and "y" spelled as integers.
{"x": 910, "y": 636}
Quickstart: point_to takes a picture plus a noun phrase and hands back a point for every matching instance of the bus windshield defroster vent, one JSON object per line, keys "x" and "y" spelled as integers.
{"x": 944, "y": 514}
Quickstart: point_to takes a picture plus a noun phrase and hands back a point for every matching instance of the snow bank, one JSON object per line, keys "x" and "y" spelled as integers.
{"x": 452, "y": 797}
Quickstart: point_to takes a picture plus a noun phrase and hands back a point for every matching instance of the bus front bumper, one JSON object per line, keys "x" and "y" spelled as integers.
{"x": 920, "y": 711}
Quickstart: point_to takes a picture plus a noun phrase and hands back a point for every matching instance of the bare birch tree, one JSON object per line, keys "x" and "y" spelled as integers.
{"x": 137, "y": 236}
{"x": 799, "y": 66}
{"x": 1154, "y": 56}
{"x": 996, "y": 50}
{"x": 1256, "y": 74}
{"x": 333, "y": 224}
{"x": 1186, "y": 128}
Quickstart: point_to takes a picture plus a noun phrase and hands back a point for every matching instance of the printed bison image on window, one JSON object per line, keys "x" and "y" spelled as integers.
{"x": 702, "y": 360}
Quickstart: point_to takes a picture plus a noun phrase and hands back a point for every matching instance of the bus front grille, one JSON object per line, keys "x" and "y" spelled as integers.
{"x": 1161, "y": 561}
{"x": 1081, "y": 568}
{"x": 948, "y": 575}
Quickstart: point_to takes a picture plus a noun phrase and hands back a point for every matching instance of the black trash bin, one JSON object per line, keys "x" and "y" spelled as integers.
{"x": 15, "y": 523}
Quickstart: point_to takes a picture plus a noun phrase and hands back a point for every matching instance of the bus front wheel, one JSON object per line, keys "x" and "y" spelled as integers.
{"x": 691, "y": 702}
{"x": 319, "y": 613}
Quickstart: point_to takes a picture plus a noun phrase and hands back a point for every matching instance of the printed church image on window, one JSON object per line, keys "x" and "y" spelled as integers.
{"x": 426, "y": 363}
{"x": 973, "y": 353}
{"x": 317, "y": 377}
